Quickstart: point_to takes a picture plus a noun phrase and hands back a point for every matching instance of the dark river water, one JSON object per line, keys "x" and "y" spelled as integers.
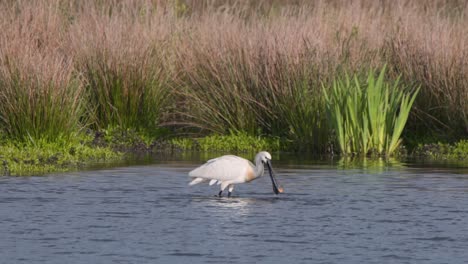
{"x": 331, "y": 212}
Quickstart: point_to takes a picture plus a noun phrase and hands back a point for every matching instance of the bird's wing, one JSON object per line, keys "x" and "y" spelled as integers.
{"x": 213, "y": 182}
{"x": 225, "y": 168}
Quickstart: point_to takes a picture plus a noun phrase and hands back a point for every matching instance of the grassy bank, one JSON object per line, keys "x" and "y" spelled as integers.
{"x": 192, "y": 69}
{"x": 17, "y": 158}
{"x": 443, "y": 151}
{"x": 113, "y": 147}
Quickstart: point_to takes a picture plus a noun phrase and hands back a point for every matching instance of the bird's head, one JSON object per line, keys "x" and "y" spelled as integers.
{"x": 265, "y": 158}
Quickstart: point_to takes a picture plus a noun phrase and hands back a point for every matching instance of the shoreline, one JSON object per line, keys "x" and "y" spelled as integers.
{"x": 30, "y": 160}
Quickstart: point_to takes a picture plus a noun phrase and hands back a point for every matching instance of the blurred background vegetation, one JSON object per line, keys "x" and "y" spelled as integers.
{"x": 251, "y": 69}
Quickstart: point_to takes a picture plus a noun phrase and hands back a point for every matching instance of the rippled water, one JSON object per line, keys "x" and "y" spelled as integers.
{"x": 148, "y": 214}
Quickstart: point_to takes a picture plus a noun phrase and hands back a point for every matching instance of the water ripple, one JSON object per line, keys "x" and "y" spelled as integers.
{"x": 145, "y": 214}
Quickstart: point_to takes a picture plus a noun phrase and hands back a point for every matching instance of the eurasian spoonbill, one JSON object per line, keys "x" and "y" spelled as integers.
{"x": 229, "y": 170}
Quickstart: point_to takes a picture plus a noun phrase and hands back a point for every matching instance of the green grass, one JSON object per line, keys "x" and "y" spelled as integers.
{"x": 235, "y": 142}
{"x": 219, "y": 95}
{"x": 34, "y": 109}
{"x": 129, "y": 96}
{"x": 42, "y": 157}
{"x": 369, "y": 117}
{"x": 236, "y": 93}
{"x": 299, "y": 108}
{"x": 443, "y": 151}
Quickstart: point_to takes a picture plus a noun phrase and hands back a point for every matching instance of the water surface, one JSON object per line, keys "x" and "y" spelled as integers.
{"x": 330, "y": 213}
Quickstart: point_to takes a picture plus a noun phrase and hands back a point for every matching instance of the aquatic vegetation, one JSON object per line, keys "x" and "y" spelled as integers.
{"x": 41, "y": 157}
{"x": 235, "y": 142}
{"x": 443, "y": 151}
{"x": 368, "y": 118}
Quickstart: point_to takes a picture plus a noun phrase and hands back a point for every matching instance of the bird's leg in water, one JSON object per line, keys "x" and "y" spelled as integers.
{"x": 220, "y": 193}
{"x": 231, "y": 188}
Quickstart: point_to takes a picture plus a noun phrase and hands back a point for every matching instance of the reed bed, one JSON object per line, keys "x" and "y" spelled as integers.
{"x": 122, "y": 63}
{"x": 41, "y": 97}
{"x": 223, "y": 67}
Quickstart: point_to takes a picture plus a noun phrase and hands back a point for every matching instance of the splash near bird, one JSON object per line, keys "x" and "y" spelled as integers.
{"x": 229, "y": 170}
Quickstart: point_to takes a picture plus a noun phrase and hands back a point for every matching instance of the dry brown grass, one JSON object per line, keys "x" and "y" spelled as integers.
{"x": 40, "y": 94}
{"x": 238, "y": 64}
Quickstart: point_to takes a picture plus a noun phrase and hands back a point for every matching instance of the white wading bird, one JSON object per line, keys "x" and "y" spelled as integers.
{"x": 229, "y": 170}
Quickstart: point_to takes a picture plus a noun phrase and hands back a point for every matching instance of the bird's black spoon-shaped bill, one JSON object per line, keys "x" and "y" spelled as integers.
{"x": 276, "y": 188}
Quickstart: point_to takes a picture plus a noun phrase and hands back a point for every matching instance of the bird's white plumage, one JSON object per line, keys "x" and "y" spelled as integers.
{"x": 229, "y": 170}
{"x": 226, "y": 168}
{"x": 213, "y": 182}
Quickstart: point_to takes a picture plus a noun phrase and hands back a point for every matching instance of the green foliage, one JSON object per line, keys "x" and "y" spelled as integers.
{"x": 461, "y": 149}
{"x": 34, "y": 109}
{"x": 180, "y": 8}
{"x": 247, "y": 95}
{"x": 42, "y": 157}
{"x": 443, "y": 151}
{"x": 236, "y": 142}
{"x": 227, "y": 67}
{"x": 126, "y": 137}
{"x": 126, "y": 96}
{"x": 220, "y": 96}
{"x": 300, "y": 111}
{"x": 184, "y": 143}
{"x": 368, "y": 118}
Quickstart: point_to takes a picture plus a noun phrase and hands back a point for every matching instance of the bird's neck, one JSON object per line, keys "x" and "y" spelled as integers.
{"x": 259, "y": 169}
